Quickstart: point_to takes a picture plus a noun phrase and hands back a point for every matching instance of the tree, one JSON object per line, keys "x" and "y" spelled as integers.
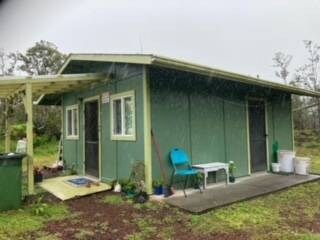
{"x": 42, "y": 59}
{"x": 8, "y": 63}
{"x": 306, "y": 76}
{"x": 282, "y": 62}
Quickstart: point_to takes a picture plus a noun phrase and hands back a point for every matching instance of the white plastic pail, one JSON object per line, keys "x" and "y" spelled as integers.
{"x": 301, "y": 165}
{"x": 286, "y": 160}
{"x": 275, "y": 167}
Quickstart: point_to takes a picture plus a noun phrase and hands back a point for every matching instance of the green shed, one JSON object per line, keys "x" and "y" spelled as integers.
{"x": 215, "y": 115}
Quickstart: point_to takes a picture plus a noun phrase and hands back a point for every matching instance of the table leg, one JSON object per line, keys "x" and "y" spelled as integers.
{"x": 227, "y": 173}
{"x": 205, "y": 179}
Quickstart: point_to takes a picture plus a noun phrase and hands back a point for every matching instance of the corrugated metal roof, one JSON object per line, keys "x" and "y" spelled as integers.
{"x": 160, "y": 61}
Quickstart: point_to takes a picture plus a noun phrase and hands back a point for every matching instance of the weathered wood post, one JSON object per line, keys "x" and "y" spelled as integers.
{"x": 29, "y": 112}
{"x": 7, "y": 127}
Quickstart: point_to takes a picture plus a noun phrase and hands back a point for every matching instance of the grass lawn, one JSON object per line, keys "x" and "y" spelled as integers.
{"x": 308, "y": 144}
{"x": 290, "y": 214}
{"x": 44, "y": 154}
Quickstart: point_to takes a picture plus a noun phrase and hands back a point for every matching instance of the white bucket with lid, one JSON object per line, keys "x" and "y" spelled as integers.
{"x": 301, "y": 165}
{"x": 286, "y": 161}
{"x": 275, "y": 167}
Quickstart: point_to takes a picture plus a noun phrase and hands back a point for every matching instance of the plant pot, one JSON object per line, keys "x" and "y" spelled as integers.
{"x": 275, "y": 167}
{"x": 166, "y": 191}
{"x": 232, "y": 179}
{"x": 158, "y": 190}
{"x": 130, "y": 193}
{"x": 141, "y": 197}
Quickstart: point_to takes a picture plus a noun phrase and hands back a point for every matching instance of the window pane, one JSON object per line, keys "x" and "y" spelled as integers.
{"x": 128, "y": 111}
{"x": 117, "y": 117}
{"x": 75, "y": 122}
{"x": 69, "y": 122}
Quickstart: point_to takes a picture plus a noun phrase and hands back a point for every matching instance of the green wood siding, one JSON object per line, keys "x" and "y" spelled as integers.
{"x": 208, "y": 118}
{"x": 205, "y": 116}
{"x": 207, "y": 128}
{"x": 282, "y": 121}
{"x": 235, "y": 125}
{"x": 116, "y": 156}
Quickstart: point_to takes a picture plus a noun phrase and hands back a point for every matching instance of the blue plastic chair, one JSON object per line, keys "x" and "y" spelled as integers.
{"x": 181, "y": 167}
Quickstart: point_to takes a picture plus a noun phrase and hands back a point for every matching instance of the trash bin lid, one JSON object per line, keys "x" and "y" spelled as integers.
{"x": 4, "y": 156}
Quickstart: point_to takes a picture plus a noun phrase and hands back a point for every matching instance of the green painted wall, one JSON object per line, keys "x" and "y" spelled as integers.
{"x": 205, "y": 116}
{"x": 208, "y": 118}
{"x": 116, "y": 156}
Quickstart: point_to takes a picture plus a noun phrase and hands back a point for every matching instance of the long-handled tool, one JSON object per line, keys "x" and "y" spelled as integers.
{"x": 166, "y": 182}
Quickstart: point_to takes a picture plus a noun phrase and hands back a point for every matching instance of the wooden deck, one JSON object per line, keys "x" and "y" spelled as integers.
{"x": 244, "y": 189}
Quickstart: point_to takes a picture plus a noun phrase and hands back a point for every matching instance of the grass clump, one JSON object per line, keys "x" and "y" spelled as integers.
{"x": 114, "y": 200}
{"x": 147, "y": 229}
{"x": 19, "y": 222}
{"x": 238, "y": 217}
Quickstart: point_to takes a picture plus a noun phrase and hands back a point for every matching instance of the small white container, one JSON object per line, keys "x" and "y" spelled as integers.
{"x": 286, "y": 161}
{"x": 117, "y": 188}
{"x": 21, "y": 146}
{"x": 275, "y": 167}
{"x": 301, "y": 165}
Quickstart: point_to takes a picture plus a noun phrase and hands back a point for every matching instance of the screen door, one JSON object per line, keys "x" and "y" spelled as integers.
{"x": 91, "y": 138}
{"x": 257, "y": 130}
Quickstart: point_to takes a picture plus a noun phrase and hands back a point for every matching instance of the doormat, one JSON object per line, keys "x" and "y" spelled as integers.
{"x": 80, "y": 182}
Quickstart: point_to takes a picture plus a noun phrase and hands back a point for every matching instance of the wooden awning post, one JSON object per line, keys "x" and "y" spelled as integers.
{"x": 7, "y": 127}
{"x": 28, "y": 106}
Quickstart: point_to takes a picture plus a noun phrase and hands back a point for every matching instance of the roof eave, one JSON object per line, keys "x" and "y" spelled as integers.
{"x": 156, "y": 60}
{"x": 144, "y": 59}
{"x": 230, "y": 76}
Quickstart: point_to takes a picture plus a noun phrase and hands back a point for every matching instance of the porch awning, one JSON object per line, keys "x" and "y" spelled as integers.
{"x": 38, "y": 86}
{"x": 48, "y": 84}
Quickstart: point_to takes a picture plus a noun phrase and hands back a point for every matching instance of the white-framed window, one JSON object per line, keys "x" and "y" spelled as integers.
{"x": 122, "y": 109}
{"x": 72, "y": 122}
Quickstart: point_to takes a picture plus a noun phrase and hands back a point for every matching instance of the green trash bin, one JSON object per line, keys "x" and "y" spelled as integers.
{"x": 10, "y": 181}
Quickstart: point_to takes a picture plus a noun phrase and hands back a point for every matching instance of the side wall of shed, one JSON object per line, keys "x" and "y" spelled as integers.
{"x": 117, "y": 156}
{"x": 208, "y": 118}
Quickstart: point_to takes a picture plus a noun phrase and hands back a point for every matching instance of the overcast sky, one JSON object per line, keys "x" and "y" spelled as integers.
{"x": 239, "y": 36}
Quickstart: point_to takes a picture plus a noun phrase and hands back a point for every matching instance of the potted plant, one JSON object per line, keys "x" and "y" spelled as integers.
{"x": 157, "y": 187}
{"x": 141, "y": 195}
{"x": 275, "y": 165}
{"x": 232, "y": 168}
{"x": 37, "y": 175}
{"x": 128, "y": 187}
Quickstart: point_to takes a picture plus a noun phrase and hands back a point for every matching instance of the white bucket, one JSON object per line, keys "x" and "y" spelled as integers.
{"x": 301, "y": 165}
{"x": 286, "y": 160}
{"x": 275, "y": 167}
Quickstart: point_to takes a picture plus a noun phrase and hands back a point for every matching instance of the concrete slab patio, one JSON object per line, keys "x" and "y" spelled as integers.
{"x": 244, "y": 189}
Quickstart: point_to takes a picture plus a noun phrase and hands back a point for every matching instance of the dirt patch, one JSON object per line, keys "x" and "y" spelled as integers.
{"x": 92, "y": 218}
{"x": 312, "y": 226}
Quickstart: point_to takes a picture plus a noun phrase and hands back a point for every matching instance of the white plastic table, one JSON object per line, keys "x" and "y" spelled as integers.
{"x": 212, "y": 167}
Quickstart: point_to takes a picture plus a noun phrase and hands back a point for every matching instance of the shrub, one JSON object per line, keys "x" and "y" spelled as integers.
{"x": 18, "y": 131}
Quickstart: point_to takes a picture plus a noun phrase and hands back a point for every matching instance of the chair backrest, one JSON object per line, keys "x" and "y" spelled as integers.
{"x": 179, "y": 157}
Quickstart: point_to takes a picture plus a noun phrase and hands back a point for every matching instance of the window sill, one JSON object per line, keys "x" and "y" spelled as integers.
{"x": 72, "y": 138}
{"x": 123, "y": 138}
